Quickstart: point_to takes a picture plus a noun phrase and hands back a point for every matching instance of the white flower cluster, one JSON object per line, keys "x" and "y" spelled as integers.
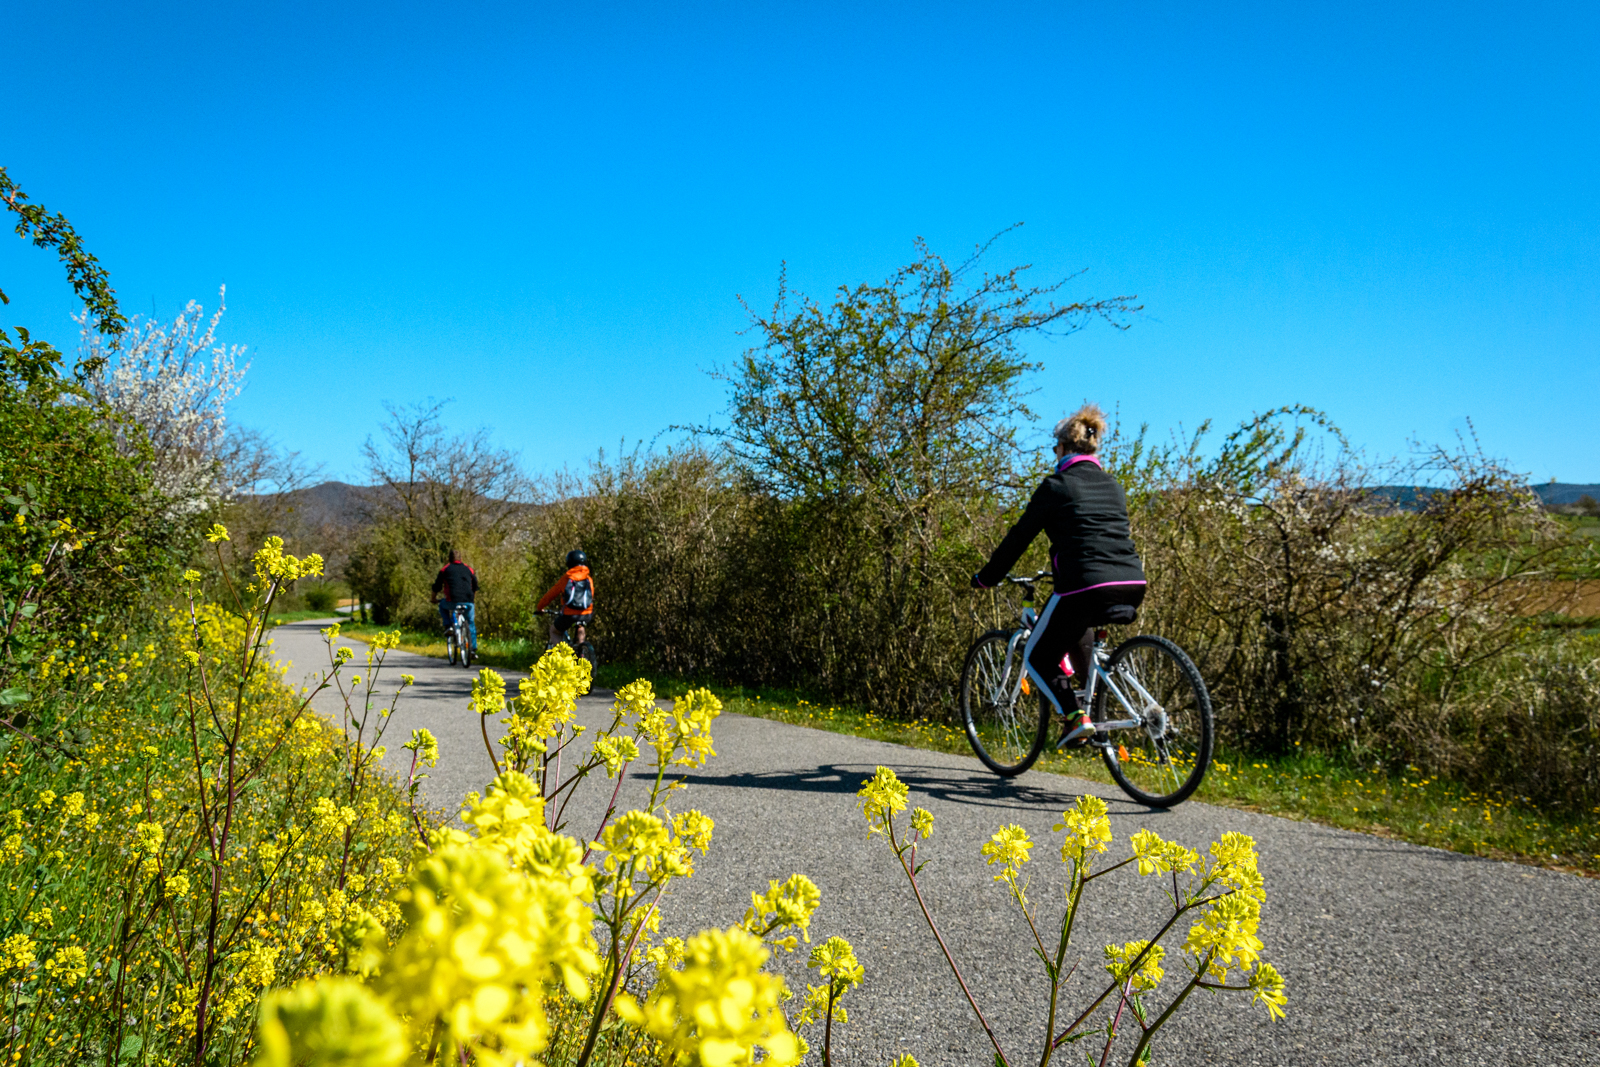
{"x": 175, "y": 382}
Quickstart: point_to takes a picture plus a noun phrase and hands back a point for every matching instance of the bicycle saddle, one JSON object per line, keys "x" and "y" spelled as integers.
{"x": 1118, "y": 615}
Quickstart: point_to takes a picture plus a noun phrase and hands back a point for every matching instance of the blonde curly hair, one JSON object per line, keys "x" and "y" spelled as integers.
{"x": 1083, "y": 430}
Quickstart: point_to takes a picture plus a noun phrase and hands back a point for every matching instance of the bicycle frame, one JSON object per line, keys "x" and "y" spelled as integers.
{"x": 1097, "y": 675}
{"x": 1027, "y": 619}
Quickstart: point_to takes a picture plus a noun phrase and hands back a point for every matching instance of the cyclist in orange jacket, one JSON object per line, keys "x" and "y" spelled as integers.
{"x": 576, "y": 590}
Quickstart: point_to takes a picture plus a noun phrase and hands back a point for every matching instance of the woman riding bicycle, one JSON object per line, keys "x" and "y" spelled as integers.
{"x": 1098, "y": 576}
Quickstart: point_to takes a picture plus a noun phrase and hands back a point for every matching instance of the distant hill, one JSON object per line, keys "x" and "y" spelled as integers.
{"x": 331, "y": 504}
{"x": 340, "y": 504}
{"x": 1551, "y": 494}
{"x": 1565, "y": 492}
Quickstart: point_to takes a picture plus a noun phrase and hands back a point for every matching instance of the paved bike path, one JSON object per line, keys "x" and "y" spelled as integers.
{"x": 1394, "y": 953}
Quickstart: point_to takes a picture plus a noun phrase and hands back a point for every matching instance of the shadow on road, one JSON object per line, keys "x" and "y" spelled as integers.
{"x": 941, "y": 783}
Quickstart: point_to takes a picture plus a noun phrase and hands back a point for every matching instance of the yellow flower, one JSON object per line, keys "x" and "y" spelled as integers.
{"x": 836, "y": 959}
{"x": 1268, "y": 986}
{"x": 70, "y": 964}
{"x": 615, "y": 753}
{"x": 1225, "y": 936}
{"x": 881, "y": 796}
{"x": 634, "y": 835}
{"x": 218, "y": 532}
{"x": 383, "y": 641}
{"x": 549, "y": 695}
{"x": 17, "y": 953}
{"x": 1158, "y": 857}
{"x": 922, "y": 823}
{"x": 692, "y": 715}
{"x": 150, "y": 836}
{"x": 1008, "y": 847}
{"x": 788, "y": 905}
{"x": 1120, "y": 957}
{"x": 272, "y": 563}
{"x": 328, "y": 1022}
{"x": 191, "y": 575}
{"x": 178, "y": 886}
{"x": 481, "y": 943}
{"x": 635, "y": 700}
{"x": 425, "y": 746}
{"x": 407, "y": 679}
{"x": 330, "y": 818}
{"x": 47, "y": 797}
{"x": 1088, "y": 828}
{"x": 720, "y": 1006}
{"x": 36, "y": 570}
{"x": 694, "y": 828}
{"x": 488, "y": 692}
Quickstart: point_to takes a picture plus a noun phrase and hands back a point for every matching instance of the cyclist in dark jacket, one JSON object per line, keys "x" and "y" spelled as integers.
{"x": 459, "y": 584}
{"x": 1082, "y": 510}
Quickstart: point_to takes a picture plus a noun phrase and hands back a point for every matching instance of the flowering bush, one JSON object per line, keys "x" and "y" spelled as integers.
{"x": 1221, "y": 894}
{"x": 498, "y": 961}
{"x": 186, "y": 836}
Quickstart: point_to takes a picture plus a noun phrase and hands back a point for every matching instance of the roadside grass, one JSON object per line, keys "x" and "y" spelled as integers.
{"x": 1331, "y": 790}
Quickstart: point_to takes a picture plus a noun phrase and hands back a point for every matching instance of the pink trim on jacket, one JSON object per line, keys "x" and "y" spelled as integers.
{"x": 1102, "y": 585}
{"x": 1067, "y": 461}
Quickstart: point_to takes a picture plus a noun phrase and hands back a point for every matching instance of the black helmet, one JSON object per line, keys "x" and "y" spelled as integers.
{"x": 577, "y": 558}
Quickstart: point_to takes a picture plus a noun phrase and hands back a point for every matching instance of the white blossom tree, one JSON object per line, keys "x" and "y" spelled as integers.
{"x": 174, "y": 381}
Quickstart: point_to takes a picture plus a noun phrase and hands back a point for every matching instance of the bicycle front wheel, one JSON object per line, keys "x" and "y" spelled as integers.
{"x": 1005, "y": 726}
{"x": 451, "y": 644}
{"x": 1162, "y": 762}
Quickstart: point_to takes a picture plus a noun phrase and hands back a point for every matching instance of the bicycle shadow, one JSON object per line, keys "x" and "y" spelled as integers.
{"x": 980, "y": 789}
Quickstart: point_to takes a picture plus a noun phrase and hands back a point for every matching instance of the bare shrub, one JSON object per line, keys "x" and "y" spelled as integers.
{"x": 432, "y": 491}
{"x": 1330, "y": 604}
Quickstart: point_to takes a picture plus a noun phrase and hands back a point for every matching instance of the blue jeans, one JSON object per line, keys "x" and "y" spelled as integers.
{"x": 447, "y": 616}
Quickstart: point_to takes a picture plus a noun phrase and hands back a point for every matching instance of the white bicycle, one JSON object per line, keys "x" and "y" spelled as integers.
{"x": 1152, "y": 714}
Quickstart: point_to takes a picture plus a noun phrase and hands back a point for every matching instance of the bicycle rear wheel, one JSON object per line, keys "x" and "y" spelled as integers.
{"x": 1162, "y": 762}
{"x": 1007, "y": 734}
{"x": 462, "y": 641}
{"x": 450, "y": 644}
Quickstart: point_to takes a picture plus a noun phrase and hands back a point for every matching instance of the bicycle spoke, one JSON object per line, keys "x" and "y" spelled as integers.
{"x": 1000, "y": 723}
{"x": 1163, "y": 759}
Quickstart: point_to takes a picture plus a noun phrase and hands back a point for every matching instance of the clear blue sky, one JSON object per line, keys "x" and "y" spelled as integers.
{"x": 1385, "y": 210}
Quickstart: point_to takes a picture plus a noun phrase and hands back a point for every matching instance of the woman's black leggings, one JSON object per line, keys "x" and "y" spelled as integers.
{"x": 1066, "y": 628}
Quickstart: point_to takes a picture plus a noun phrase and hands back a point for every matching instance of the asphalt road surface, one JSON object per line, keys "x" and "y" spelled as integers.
{"x": 1393, "y": 953}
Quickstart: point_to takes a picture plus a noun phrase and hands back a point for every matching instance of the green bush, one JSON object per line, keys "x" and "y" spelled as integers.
{"x": 320, "y": 597}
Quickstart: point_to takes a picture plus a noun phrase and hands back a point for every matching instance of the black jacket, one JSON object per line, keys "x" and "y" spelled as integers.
{"x": 1083, "y": 511}
{"x": 458, "y": 581}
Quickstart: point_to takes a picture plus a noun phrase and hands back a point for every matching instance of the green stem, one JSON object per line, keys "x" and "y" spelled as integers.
{"x": 937, "y": 936}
